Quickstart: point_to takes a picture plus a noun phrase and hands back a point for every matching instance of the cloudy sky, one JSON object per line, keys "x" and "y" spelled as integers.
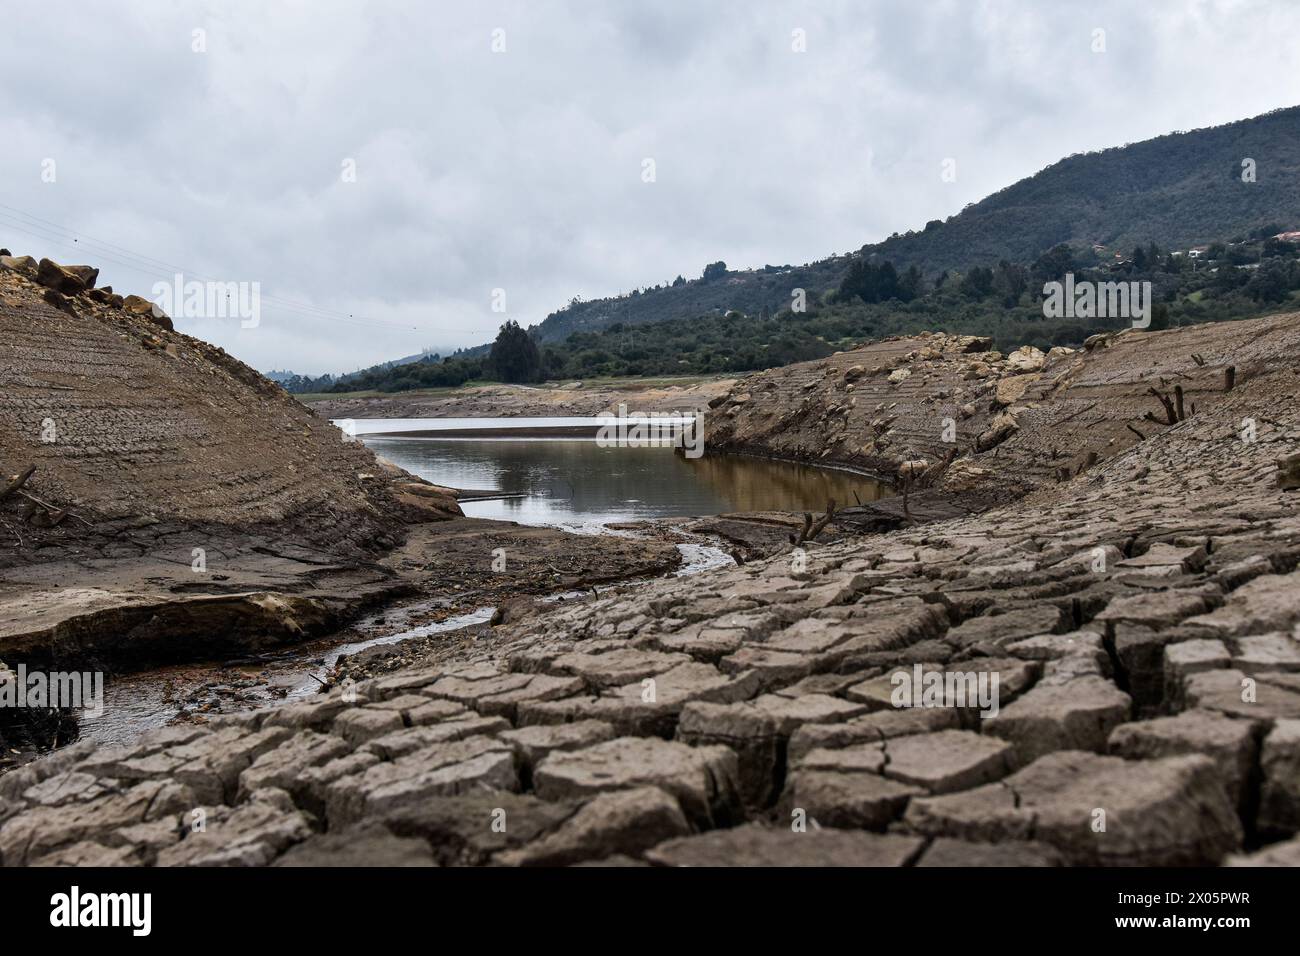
{"x": 381, "y": 168}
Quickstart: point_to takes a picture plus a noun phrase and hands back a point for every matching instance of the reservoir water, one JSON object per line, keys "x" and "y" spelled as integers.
{"x": 572, "y": 482}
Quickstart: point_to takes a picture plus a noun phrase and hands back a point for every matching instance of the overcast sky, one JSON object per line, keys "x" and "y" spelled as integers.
{"x": 524, "y": 170}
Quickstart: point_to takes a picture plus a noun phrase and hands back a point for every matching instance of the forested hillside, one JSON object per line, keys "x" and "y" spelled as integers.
{"x": 1179, "y": 190}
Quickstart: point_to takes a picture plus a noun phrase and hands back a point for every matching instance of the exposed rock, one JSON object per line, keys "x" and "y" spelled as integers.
{"x": 1011, "y": 390}
{"x": 59, "y": 278}
{"x": 1026, "y": 359}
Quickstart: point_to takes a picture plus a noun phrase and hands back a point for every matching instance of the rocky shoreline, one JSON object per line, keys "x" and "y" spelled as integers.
{"x": 1101, "y": 633}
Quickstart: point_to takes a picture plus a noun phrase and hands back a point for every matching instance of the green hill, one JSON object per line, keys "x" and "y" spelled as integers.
{"x": 1178, "y": 190}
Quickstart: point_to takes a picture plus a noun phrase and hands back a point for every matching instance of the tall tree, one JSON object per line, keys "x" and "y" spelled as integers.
{"x": 514, "y": 356}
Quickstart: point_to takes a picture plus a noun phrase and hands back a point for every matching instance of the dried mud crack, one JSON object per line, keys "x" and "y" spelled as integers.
{"x": 1135, "y": 598}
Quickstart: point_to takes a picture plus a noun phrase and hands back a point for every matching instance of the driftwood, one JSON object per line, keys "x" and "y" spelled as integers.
{"x": 811, "y": 529}
{"x": 51, "y": 515}
{"x": 17, "y": 482}
{"x": 1171, "y": 414}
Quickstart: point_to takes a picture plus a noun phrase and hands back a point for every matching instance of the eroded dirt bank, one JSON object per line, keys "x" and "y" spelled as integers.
{"x": 1136, "y": 604}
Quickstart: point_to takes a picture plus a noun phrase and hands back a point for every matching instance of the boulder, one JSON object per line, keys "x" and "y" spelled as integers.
{"x": 1000, "y": 429}
{"x": 24, "y": 265}
{"x": 1011, "y": 390}
{"x": 54, "y": 276}
{"x": 1026, "y": 359}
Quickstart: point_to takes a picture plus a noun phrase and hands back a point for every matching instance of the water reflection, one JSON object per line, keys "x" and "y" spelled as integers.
{"x": 577, "y": 482}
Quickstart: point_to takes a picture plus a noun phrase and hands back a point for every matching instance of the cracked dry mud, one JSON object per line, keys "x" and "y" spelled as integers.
{"x": 1141, "y": 617}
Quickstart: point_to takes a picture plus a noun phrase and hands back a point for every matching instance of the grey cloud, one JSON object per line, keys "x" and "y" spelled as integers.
{"x": 522, "y": 170}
